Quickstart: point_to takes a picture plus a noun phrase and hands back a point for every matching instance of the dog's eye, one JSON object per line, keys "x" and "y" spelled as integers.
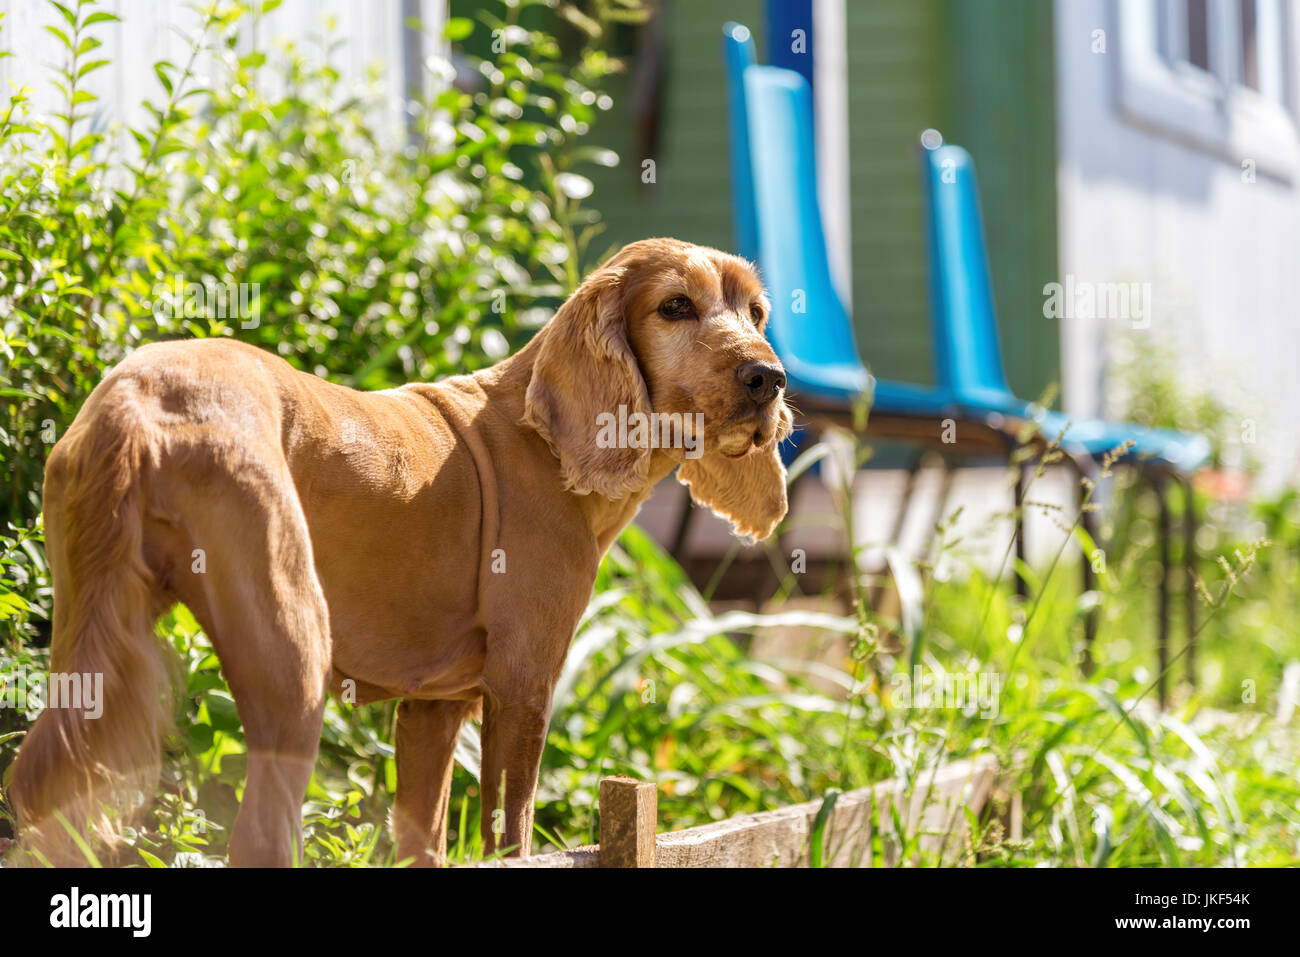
{"x": 756, "y": 313}
{"x": 678, "y": 307}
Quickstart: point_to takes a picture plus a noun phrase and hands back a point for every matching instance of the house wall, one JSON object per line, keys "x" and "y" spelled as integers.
{"x": 894, "y": 93}
{"x": 1137, "y": 204}
{"x": 153, "y": 30}
{"x": 996, "y": 61}
{"x": 690, "y": 197}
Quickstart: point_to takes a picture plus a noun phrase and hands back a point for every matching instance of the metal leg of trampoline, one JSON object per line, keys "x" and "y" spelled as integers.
{"x": 900, "y": 521}
{"x": 940, "y": 504}
{"x": 684, "y": 522}
{"x": 1189, "y": 576}
{"x": 1022, "y": 586}
{"x": 1089, "y": 525}
{"x": 1162, "y": 640}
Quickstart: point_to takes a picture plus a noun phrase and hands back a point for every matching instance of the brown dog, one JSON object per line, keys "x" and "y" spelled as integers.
{"x": 434, "y": 543}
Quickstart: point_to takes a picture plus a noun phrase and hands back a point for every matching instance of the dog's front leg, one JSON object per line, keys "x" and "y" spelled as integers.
{"x": 426, "y": 746}
{"x": 514, "y": 732}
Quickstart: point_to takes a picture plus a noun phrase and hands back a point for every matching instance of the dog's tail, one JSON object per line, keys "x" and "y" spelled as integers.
{"x": 93, "y": 753}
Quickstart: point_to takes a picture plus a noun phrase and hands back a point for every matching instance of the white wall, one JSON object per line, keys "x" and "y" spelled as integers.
{"x": 153, "y": 30}
{"x": 1139, "y": 204}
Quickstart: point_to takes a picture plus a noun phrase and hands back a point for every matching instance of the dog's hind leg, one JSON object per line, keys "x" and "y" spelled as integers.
{"x": 83, "y": 758}
{"x": 253, "y": 586}
{"x": 426, "y": 744}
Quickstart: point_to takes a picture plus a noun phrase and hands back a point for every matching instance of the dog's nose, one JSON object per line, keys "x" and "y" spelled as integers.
{"x": 762, "y": 380}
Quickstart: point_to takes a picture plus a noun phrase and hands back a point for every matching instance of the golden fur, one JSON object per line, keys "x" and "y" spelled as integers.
{"x": 420, "y": 543}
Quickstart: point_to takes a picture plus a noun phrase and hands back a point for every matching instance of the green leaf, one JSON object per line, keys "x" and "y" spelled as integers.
{"x": 817, "y": 850}
{"x": 911, "y": 598}
{"x": 67, "y": 14}
{"x": 91, "y": 67}
{"x": 200, "y": 737}
{"x": 77, "y": 838}
{"x": 265, "y": 272}
{"x": 160, "y": 69}
{"x": 12, "y": 605}
{"x": 806, "y": 460}
{"x": 458, "y": 28}
{"x": 63, "y": 37}
{"x": 221, "y": 711}
{"x": 87, "y": 142}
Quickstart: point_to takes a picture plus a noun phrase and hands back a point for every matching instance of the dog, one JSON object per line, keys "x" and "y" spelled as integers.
{"x": 435, "y": 543}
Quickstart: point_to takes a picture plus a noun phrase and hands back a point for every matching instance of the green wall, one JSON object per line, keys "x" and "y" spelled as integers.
{"x": 691, "y": 197}
{"x": 894, "y": 94}
{"x": 1000, "y": 105}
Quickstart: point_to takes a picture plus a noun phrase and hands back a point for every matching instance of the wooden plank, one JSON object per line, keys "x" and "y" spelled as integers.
{"x": 628, "y": 808}
{"x": 783, "y": 838}
{"x": 934, "y": 807}
{"x": 586, "y": 856}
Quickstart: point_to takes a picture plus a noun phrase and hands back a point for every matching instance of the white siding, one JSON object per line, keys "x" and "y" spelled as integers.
{"x": 1140, "y": 205}
{"x": 152, "y": 30}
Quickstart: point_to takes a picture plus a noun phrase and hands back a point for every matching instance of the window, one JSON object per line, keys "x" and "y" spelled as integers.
{"x": 1214, "y": 74}
{"x": 1262, "y": 62}
{"x": 1249, "y": 45}
{"x": 1195, "y": 34}
{"x": 1234, "y": 42}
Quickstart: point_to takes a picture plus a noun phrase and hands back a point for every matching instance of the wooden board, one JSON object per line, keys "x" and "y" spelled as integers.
{"x": 586, "y": 856}
{"x": 784, "y": 837}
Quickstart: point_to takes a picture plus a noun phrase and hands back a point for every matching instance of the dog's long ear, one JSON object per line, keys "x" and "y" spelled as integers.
{"x": 585, "y": 370}
{"x": 748, "y": 491}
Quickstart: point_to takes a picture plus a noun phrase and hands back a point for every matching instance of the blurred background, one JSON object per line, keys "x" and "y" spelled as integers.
{"x": 406, "y": 189}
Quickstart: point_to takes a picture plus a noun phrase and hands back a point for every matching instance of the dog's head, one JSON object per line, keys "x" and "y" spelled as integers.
{"x": 661, "y": 351}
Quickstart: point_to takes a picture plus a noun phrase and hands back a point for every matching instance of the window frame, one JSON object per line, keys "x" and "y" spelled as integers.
{"x": 1212, "y": 111}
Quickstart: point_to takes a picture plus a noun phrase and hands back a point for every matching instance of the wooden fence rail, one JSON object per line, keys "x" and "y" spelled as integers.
{"x": 784, "y": 837}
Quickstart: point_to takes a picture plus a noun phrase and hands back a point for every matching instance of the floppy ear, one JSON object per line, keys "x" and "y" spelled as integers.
{"x": 748, "y": 491}
{"x": 585, "y": 368}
